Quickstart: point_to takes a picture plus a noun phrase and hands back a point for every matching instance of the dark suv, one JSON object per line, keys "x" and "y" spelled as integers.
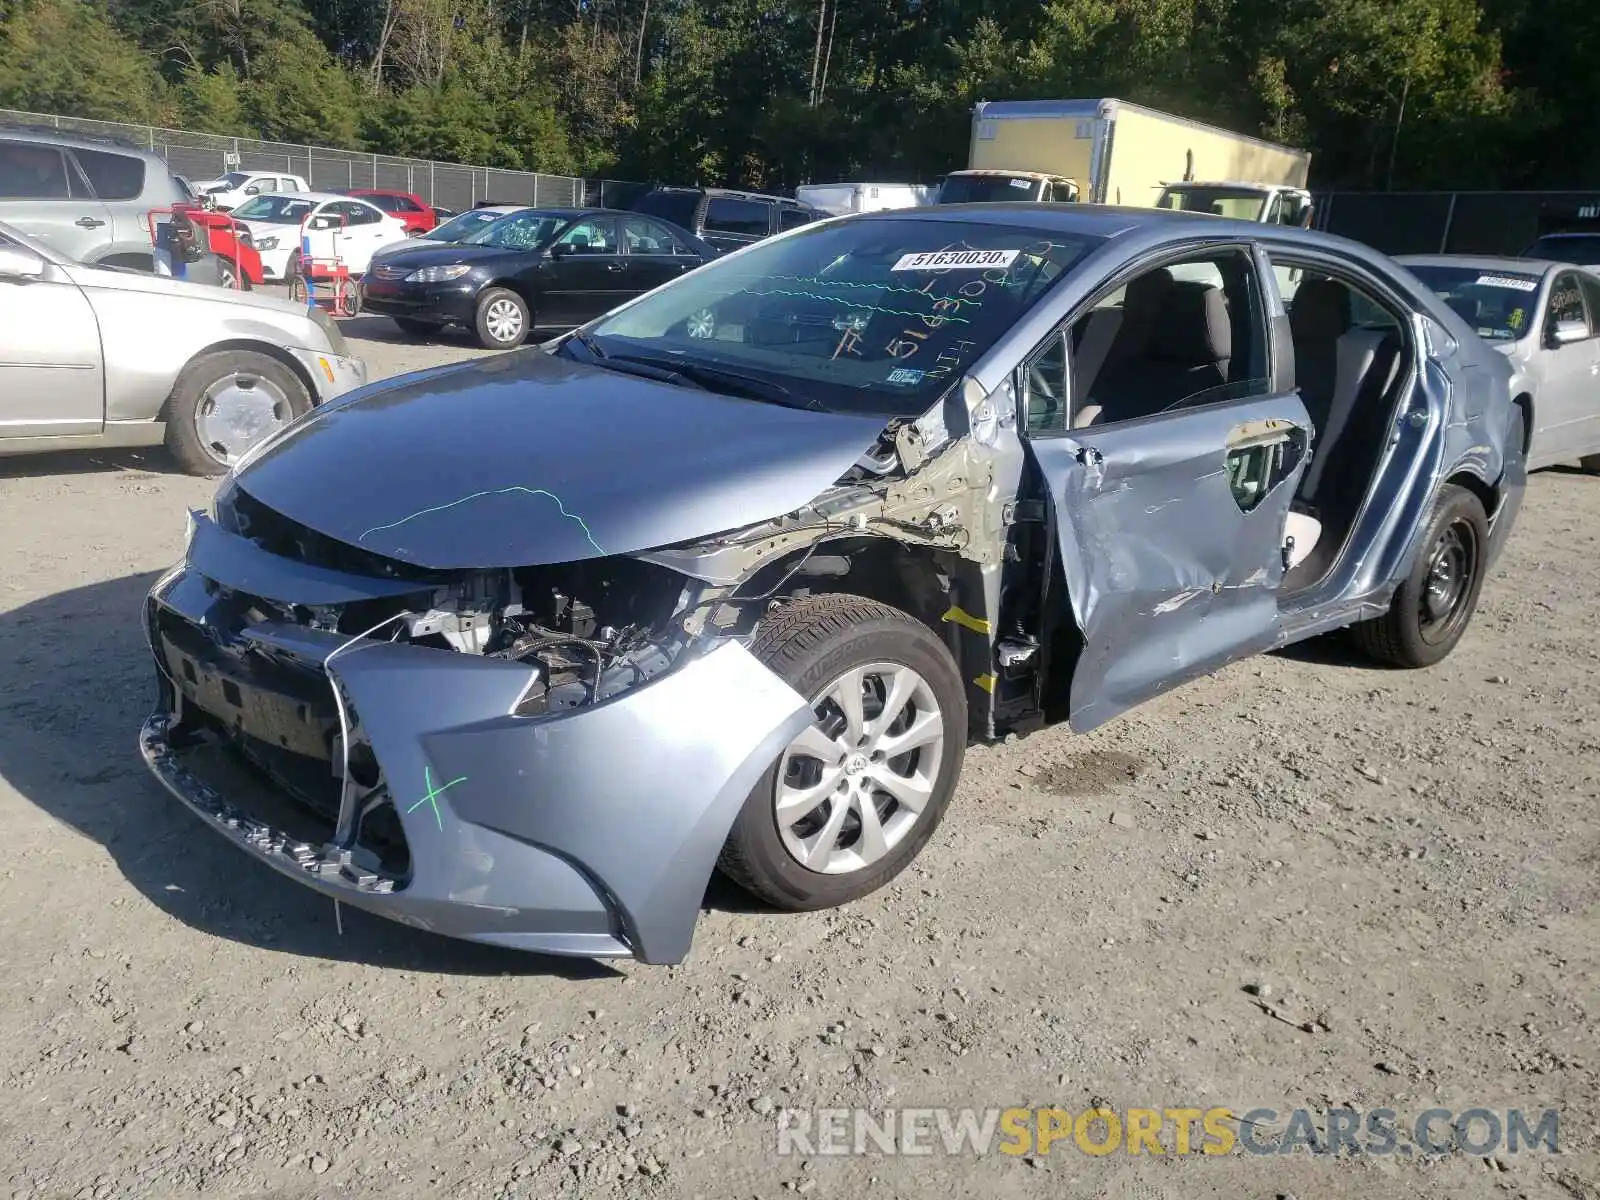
{"x": 725, "y": 219}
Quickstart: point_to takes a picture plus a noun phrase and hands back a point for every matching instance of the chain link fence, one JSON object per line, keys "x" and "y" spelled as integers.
{"x": 1498, "y": 223}
{"x": 450, "y": 185}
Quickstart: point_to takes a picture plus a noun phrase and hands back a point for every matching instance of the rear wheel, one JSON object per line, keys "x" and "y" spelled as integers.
{"x": 225, "y": 403}
{"x": 854, "y": 798}
{"x": 503, "y": 319}
{"x": 1431, "y": 610}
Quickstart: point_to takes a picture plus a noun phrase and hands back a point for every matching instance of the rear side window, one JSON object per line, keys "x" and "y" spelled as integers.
{"x": 113, "y": 176}
{"x": 793, "y": 218}
{"x": 677, "y": 207}
{"x": 748, "y": 218}
{"x": 32, "y": 172}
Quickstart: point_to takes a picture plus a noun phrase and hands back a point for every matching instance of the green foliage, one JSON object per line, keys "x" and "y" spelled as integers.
{"x": 64, "y": 56}
{"x": 771, "y": 93}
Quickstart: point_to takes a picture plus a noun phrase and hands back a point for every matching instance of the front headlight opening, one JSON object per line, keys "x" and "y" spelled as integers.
{"x": 270, "y": 243}
{"x": 438, "y": 274}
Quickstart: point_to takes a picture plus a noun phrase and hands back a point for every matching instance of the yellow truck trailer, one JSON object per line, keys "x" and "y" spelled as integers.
{"x": 1109, "y": 151}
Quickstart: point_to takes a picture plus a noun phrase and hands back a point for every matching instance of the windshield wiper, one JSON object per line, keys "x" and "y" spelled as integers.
{"x": 586, "y": 340}
{"x": 720, "y": 379}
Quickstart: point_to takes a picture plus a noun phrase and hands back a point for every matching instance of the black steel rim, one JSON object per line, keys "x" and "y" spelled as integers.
{"x": 1452, "y": 566}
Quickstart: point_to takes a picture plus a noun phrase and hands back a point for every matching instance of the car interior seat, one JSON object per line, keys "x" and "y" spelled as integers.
{"x": 1113, "y": 335}
{"x": 1365, "y": 363}
{"x": 1190, "y": 351}
{"x": 1320, "y": 316}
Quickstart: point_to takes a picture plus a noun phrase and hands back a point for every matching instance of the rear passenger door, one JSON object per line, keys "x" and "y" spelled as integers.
{"x": 119, "y": 182}
{"x": 43, "y": 195}
{"x": 654, "y": 255}
{"x": 1170, "y": 491}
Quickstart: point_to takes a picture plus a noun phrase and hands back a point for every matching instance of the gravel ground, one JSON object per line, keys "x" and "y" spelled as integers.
{"x": 1303, "y": 882}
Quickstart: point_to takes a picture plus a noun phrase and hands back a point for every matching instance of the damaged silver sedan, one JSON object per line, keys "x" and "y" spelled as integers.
{"x": 522, "y": 650}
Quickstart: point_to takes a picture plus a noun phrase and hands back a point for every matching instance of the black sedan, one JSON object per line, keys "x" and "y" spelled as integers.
{"x": 540, "y": 268}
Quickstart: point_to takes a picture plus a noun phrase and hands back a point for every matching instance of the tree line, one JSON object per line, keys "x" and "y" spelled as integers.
{"x": 771, "y": 93}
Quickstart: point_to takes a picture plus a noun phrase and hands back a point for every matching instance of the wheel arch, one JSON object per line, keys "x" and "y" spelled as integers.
{"x": 935, "y": 587}
{"x": 277, "y": 353}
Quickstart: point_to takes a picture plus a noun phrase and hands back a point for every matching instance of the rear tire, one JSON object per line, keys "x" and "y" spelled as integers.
{"x": 502, "y": 319}
{"x": 1431, "y": 611}
{"x": 828, "y": 647}
{"x": 227, "y": 401}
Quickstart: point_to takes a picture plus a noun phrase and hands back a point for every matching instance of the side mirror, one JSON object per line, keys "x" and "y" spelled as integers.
{"x": 322, "y": 222}
{"x": 562, "y": 250}
{"x": 252, "y": 191}
{"x": 1564, "y": 333}
{"x": 19, "y": 263}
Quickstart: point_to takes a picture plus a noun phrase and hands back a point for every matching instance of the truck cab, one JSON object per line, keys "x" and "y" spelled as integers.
{"x": 1268, "y": 204}
{"x": 990, "y": 187}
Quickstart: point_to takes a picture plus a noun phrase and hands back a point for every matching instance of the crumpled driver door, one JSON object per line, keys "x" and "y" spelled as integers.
{"x": 1171, "y": 532}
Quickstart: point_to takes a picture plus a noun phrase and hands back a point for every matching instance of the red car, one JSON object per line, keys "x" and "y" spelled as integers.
{"x": 406, "y": 207}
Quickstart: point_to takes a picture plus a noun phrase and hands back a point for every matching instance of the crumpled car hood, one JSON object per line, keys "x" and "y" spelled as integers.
{"x": 526, "y": 459}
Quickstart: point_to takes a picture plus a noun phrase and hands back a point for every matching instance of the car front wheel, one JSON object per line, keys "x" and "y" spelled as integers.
{"x": 1430, "y": 612}
{"x": 503, "y": 320}
{"x": 225, "y": 403}
{"x": 854, "y": 798}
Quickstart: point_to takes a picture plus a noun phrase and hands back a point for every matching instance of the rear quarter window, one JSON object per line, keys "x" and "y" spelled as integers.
{"x": 113, "y": 176}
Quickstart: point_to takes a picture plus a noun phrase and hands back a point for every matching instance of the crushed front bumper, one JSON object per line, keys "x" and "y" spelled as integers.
{"x": 592, "y": 831}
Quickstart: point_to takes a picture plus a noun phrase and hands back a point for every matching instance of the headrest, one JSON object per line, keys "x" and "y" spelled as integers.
{"x": 1321, "y": 311}
{"x": 1194, "y": 327}
{"x": 1147, "y": 293}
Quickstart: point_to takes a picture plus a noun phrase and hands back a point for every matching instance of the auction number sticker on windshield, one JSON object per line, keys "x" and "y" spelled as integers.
{"x": 1515, "y": 282}
{"x": 945, "y": 260}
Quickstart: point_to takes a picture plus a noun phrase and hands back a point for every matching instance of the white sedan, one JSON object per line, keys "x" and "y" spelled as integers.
{"x": 333, "y": 227}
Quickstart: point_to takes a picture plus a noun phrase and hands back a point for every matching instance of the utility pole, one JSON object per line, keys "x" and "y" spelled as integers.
{"x": 816, "y": 54}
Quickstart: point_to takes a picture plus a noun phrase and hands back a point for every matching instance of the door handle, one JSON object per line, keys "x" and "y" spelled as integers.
{"x": 613, "y": 266}
{"x": 89, "y": 222}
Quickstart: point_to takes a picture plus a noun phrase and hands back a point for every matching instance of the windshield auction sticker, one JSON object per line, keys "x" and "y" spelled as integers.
{"x": 966, "y": 260}
{"x": 1518, "y": 283}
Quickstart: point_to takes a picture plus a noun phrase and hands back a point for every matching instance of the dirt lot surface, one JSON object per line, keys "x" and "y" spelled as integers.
{"x": 1403, "y": 867}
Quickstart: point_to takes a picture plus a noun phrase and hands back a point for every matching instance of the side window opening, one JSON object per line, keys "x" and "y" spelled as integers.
{"x": 1566, "y": 302}
{"x": 1349, "y": 354}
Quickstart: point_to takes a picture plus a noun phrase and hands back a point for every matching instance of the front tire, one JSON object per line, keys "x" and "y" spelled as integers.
{"x": 854, "y": 798}
{"x": 226, "y": 402}
{"x": 503, "y": 320}
{"x": 1431, "y": 611}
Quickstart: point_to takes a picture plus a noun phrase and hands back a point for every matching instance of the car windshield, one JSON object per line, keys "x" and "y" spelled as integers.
{"x": 459, "y": 226}
{"x": 869, "y": 315}
{"x": 987, "y": 189}
{"x": 275, "y": 210}
{"x": 1241, "y": 204}
{"x": 519, "y": 231}
{"x": 1583, "y": 249}
{"x": 1498, "y": 304}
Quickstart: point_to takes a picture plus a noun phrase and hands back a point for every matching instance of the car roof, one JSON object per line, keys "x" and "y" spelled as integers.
{"x": 314, "y": 197}
{"x": 735, "y": 193}
{"x": 78, "y": 141}
{"x": 1085, "y": 220}
{"x": 1569, "y": 233}
{"x": 1480, "y": 262}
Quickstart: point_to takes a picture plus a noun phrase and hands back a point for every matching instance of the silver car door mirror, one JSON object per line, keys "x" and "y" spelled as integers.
{"x": 1564, "y": 333}
{"x": 18, "y": 263}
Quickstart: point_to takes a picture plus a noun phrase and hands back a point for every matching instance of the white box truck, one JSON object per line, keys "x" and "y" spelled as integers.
{"x": 1109, "y": 151}
{"x": 841, "y": 199}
